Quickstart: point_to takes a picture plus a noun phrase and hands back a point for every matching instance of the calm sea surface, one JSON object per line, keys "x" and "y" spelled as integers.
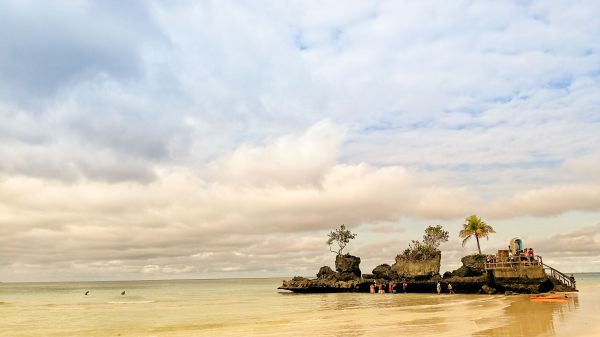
{"x": 254, "y": 307}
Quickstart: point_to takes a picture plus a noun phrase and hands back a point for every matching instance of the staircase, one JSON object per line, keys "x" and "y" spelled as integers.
{"x": 557, "y": 275}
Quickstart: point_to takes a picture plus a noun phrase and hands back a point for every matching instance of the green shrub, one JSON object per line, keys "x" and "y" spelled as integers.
{"x": 428, "y": 248}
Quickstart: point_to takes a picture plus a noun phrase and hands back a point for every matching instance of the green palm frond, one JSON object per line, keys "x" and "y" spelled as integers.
{"x": 464, "y": 233}
{"x": 475, "y": 226}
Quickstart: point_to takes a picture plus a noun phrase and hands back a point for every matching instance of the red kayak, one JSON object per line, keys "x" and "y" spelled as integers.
{"x": 552, "y": 298}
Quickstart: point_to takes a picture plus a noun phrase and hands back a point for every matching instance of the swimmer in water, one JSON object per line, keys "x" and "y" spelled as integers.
{"x": 123, "y": 293}
{"x": 87, "y": 292}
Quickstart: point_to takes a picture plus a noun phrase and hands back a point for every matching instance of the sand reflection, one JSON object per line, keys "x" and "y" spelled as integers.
{"x": 524, "y": 317}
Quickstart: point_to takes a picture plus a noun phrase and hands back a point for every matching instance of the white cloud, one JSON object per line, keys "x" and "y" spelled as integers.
{"x": 142, "y": 131}
{"x": 549, "y": 201}
{"x": 250, "y": 212}
{"x": 180, "y": 214}
{"x": 297, "y": 159}
{"x": 581, "y": 242}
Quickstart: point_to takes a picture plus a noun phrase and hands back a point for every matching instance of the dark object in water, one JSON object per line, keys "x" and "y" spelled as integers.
{"x": 87, "y": 292}
{"x": 123, "y": 293}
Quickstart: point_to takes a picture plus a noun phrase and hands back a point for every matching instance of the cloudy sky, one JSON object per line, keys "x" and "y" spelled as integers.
{"x": 201, "y": 139}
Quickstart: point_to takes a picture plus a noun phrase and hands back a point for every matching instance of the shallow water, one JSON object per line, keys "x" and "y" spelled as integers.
{"x": 243, "y": 307}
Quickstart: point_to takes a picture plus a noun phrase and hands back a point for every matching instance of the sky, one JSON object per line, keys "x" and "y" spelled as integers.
{"x": 209, "y": 139}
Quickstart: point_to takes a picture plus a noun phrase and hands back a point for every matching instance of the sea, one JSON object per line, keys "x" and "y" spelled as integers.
{"x": 254, "y": 307}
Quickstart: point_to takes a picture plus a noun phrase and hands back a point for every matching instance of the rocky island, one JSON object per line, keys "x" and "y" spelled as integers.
{"x": 418, "y": 269}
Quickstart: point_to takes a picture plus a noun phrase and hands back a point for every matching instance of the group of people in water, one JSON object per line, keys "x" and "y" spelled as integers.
{"x": 393, "y": 287}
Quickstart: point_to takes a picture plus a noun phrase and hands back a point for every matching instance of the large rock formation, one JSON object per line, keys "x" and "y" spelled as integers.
{"x": 347, "y": 277}
{"x": 422, "y": 276}
{"x": 417, "y": 269}
{"x": 347, "y": 266}
{"x": 472, "y": 266}
{"x": 521, "y": 278}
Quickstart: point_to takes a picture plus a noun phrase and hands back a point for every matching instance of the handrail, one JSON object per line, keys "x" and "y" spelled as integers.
{"x": 511, "y": 263}
{"x": 563, "y": 278}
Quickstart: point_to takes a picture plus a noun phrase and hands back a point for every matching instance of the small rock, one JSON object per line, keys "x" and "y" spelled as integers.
{"x": 326, "y": 273}
{"x": 488, "y": 290}
{"x": 385, "y": 271}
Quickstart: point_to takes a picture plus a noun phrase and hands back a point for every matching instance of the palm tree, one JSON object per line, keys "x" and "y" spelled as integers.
{"x": 476, "y": 227}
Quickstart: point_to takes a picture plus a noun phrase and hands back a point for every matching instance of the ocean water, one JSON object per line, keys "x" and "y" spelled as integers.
{"x": 254, "y": 307}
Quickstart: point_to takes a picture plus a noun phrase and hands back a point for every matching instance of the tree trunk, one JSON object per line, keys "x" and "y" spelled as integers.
{"x": 478, "y": 247}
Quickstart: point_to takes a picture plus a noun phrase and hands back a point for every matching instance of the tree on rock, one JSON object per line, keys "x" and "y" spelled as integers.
{"x": 475, "y": 227}
{"x": 434, "y": 236}
{"x": 340, "y": 237}
{"x": 428, "y": 248}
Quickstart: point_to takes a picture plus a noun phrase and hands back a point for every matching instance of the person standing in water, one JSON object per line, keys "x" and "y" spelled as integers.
{"x": 404, "y": 285}
{"x": 439, "y": 288}
{"x": 450, "y": 290}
